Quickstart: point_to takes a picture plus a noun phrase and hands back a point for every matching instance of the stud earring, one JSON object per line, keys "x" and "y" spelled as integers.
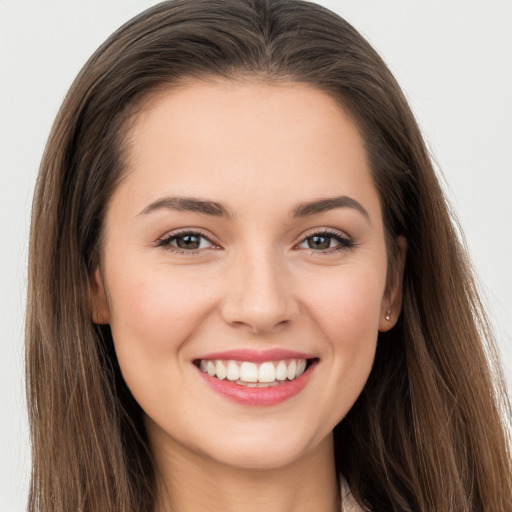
{"x": 388, "y": 315}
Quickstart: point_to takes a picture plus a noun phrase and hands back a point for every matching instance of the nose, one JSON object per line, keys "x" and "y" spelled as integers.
{"x": 260, "y": 295}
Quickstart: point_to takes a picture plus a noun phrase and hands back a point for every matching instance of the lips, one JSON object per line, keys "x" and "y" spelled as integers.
{"x": 257, "y": 378}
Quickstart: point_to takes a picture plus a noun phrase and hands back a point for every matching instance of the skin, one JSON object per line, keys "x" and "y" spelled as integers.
{"x": 259, "y": 150}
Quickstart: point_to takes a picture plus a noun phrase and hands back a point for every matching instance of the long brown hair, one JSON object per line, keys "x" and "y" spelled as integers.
{"x": 427, "y": 433}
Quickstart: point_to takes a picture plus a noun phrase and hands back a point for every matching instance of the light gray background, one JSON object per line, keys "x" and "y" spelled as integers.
{"x": 452, "y": 58}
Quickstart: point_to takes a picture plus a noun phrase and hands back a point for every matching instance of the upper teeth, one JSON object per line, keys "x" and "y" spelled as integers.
{"x": 247, "y": 371}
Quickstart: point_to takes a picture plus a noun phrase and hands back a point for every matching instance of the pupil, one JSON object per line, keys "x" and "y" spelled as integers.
{"x": 319, "y": 242}
{"x": 188, "y": 242}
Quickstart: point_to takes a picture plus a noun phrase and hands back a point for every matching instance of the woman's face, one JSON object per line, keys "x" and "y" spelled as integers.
{"x": 244, "y": 247}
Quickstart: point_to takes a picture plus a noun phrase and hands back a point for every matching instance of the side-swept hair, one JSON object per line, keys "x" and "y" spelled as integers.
{"x": 428, "y": 431}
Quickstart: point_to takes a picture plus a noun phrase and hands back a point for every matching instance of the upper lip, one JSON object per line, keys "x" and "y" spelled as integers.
{"x": 257, "y": 356}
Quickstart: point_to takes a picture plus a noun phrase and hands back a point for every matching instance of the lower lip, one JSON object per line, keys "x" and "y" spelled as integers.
{"x": 258, "y": 397}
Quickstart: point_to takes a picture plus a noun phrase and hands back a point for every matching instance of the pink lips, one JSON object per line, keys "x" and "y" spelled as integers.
{"x": 258, "y": 396}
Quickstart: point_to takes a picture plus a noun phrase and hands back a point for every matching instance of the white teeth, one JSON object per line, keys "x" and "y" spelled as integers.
{"x": 292, "y": 370}
{"x": 251, "y": 374}
{"x": 267, "y": 373}
{"x": 221, "y": 370}
{"x": 210, "y": 368}
{"x": 281, "y": 371}
{"x": 233, "y": 371}
{"x": 301, "y": 367}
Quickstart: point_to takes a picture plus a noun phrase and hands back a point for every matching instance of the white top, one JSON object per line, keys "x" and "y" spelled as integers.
{"x": 348, "y": 503}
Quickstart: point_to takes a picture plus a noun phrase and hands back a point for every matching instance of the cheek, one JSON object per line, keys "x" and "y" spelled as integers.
{"x": 348, "y": 308}
{"x": 347, "y": 311}
{"x": 153, "y": 312}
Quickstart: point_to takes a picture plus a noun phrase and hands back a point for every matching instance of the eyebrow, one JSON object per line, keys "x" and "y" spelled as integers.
{"x": 187, "y": 204}
{"x": 192, "y": 204}
{"x": 323, "y": 205}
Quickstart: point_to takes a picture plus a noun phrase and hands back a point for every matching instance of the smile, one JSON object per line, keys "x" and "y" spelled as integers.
{"x": 255, "y": 378}
{"x": 251, "y": 374}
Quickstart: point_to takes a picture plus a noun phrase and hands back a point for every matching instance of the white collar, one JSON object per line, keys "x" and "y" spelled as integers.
{"x": 348, "y": 503}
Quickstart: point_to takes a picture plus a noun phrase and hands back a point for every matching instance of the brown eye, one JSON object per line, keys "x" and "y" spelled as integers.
{"x": 326, "y": 242}
{"x": 186, "y": 242}
{"x": 320, "y": 242}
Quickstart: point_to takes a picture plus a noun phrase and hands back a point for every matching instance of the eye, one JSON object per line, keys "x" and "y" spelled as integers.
{"x": 326, "y": 241}
{"x": 186, "y": 241}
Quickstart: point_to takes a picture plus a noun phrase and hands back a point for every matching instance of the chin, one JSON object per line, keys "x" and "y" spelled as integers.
{"x": 265, "y": 451}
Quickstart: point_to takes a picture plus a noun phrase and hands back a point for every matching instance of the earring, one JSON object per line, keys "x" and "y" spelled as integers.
{"x": 388, "y": 315}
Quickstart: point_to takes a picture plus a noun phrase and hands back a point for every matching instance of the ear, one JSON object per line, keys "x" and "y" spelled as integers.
{"x": 392, "y": 301}
{"x": 100, "y": 310}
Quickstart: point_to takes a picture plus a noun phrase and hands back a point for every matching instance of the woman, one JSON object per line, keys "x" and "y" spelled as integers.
{"x": 245, "y": 289}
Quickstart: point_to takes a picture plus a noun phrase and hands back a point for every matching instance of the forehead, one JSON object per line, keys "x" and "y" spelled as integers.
{"x": 226, "y": 139}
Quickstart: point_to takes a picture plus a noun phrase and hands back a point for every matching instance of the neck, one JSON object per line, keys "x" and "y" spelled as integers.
{"x": 189, "y": 482}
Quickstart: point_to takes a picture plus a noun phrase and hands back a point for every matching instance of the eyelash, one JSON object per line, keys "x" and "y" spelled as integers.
{"x": 166, "y": 242}
{"x": 344, "y": 242}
